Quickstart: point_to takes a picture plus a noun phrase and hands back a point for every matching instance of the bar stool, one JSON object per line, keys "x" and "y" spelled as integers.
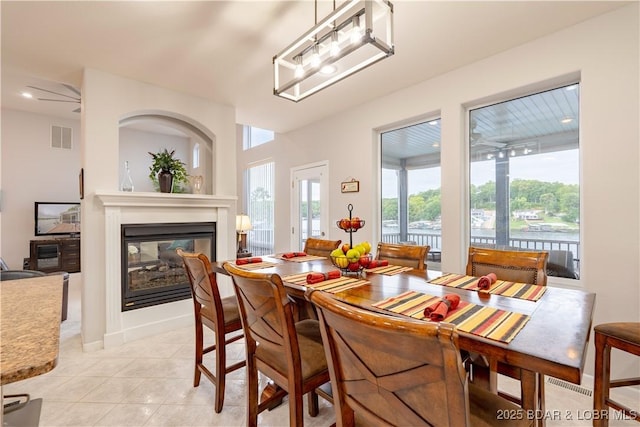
{"x": 624, "y": 336}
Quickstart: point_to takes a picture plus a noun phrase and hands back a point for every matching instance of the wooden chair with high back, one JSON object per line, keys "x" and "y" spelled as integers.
{"x": 320, "y": 247}
{"x": 624, "y": 336}
{"x": 395, "y": 371}
{"x": 290, "y": 353}
{"x": 516, "y": 266}
{"x": 221, "y": 315}
{"x": 404, "y": 255}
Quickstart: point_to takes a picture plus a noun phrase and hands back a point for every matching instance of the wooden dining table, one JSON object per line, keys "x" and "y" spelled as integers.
{"x": 553, "y": 342}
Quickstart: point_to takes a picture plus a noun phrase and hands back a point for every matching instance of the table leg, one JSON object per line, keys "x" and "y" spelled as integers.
{"x": 529, "y": 388}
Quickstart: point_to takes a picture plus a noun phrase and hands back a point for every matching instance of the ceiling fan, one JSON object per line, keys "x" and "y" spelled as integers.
{"x": 74, "y": 98}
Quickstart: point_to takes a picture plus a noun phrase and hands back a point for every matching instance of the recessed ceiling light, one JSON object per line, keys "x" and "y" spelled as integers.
{"x": 566, "y": 120}
{"x": 436, "y": 144}
{"x": 433, "y": 122}
{"x": 27, "y": 95}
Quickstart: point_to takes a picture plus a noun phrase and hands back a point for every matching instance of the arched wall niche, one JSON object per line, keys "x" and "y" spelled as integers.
{"x": 142, "y": 132}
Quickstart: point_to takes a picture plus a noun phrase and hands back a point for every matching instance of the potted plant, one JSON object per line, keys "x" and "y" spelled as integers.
{"x": 167, "y": 172}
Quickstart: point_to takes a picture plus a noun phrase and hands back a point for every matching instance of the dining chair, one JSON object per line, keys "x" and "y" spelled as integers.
{"x": 392, "y": 371}
{"x": 623, "y": 336}
{"x": 289, "y": 353}
{"x": 516, "y": 266}
{"x": 220, "y": 315}
{"x": 405, "y": 255}
{"x": 320, "y": 247}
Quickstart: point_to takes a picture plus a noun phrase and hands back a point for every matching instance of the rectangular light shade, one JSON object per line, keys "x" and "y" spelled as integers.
{"x": 355, "y": 35}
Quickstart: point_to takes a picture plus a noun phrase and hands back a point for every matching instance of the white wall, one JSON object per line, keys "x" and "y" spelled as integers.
{"x": 107, "y": 99}
{"x": 33, "y": 171}
{"x": 603, "y": 53}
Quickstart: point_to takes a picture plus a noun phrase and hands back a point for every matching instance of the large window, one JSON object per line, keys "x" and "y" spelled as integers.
{"x": 410, "y": 204}
{"x": 524, "y": 173}
{"x": 253, "y": 136}
{"x": 259, "y": 200}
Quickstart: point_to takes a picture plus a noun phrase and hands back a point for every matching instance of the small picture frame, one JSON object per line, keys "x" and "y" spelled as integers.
{"x": 352, "y": 186}
{"x": 81, "y": 183}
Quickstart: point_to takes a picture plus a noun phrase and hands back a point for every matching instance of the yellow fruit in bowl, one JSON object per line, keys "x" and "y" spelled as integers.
{"x": 353, "y": 255}
{"x": 360, "y": 249}
{"x": 367, "y": 247}
{"x": 336, "y": 253}
{"x": 340, "y": 261}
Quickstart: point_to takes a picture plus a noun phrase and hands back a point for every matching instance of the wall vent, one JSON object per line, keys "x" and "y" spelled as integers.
{"x": 61, "y": 137}
{"x": 569, "y": 386}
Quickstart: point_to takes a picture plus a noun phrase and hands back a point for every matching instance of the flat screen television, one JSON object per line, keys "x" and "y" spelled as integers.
{"x": 56, "y": 218}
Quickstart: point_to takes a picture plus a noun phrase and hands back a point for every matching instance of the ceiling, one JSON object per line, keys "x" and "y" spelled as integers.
{"x": 223, "y": 50}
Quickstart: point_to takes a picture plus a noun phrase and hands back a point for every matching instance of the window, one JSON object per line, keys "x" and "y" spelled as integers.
{"x": 410, "y": 204}
{"x": 259, "y": 202}
{"x": 196, "y": 156}
{"x": 252, "y": 136}
{"x": 524, "y": 176}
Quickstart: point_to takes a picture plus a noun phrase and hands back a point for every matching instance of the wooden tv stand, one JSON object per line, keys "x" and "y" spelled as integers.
{"x": 49, "y": 255}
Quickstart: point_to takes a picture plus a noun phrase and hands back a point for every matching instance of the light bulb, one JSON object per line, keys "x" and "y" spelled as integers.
{"x": 299, "y": 70}
{"x": 356, "y": 33}
{"x": 335, "y": 47}
{"x": 315, "y": 58}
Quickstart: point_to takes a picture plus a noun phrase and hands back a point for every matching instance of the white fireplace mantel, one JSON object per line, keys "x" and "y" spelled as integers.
{"x": 152, "y": 208}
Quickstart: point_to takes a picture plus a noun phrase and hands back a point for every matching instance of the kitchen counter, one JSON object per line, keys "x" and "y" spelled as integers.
{"x": 30, "y": 326}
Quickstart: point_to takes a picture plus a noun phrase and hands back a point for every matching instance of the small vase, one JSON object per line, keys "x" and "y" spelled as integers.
{"x": 165, "y": 179}
{"x": 127, "y": 182}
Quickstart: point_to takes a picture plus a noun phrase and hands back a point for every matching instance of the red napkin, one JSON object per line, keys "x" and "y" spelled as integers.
{"x": 438, "y": 310}
{"x": 293, "y": 254}
{"x": 321, "y": 277}
{"x": 485, "y": 282}
{"x": 378, "y": 263}
{"x": 243, "y": 261}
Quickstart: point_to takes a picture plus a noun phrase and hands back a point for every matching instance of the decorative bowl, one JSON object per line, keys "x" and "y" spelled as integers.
{"x": 347, "y": 266}
{"x": 351, "y": 223}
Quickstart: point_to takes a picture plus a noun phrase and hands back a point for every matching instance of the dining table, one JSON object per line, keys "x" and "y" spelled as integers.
{"x": 553, "y": 341}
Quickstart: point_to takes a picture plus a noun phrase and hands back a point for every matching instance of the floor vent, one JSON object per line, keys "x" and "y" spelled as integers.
{"x": 569, "y": 386}
{"x": 61, "y": 137}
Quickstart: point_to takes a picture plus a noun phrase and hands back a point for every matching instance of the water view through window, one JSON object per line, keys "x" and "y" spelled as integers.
{"x": 524, "y": 176}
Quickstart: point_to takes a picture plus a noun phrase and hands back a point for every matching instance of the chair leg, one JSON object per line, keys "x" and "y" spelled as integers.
{"x": 312, "y": 401}
{"x": 296, "y": 407}
{"x": 221, "y": 366}
{"x": 601, "y": 380}
{"x": 252, "y": 393}
{"x": 199, "y": 352}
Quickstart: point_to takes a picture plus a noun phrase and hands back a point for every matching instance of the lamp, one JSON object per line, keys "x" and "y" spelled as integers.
{"x": 357, "y": 34}
{"x": 243, "y": 224}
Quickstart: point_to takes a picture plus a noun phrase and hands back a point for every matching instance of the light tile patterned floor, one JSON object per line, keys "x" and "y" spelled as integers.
{"x": 149, "y": 383}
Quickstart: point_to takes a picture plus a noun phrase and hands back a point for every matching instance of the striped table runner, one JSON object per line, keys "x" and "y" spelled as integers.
{"x": 333, "y": 285}
{"x": 300, "y": 258}
{"x": 388, "y": 270}
{"x": 487, "y": 322}
{"x": 256, "y": 265}
{"x": 501, "y": 287}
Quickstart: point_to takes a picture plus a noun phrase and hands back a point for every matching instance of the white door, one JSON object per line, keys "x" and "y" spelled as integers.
{"x": 309, "y": 203}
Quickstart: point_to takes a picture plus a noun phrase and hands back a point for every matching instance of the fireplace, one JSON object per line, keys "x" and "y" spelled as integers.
{"x": 152, "y": 271}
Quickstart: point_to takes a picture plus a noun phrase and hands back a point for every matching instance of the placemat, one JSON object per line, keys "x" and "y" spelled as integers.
{"x": 333, "y": 285}
{"x": 300, "y": 258}
{"x": 388, "y": 270}
{"x": 487, "y": 322}
{"x": 501, "y": 287}
{"x": 256, "y": 265}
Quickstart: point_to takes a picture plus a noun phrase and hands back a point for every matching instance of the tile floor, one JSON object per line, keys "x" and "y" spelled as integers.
{"x": 149, "y": 383}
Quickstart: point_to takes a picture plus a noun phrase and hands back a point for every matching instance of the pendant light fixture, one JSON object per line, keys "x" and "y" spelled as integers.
{"x": 354, "y": 36}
